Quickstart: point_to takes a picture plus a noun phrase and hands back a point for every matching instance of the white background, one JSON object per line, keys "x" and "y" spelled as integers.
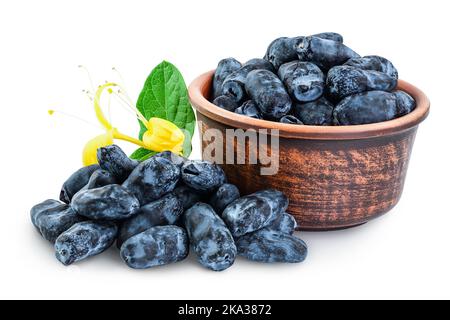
{"x": 404, "y": 254}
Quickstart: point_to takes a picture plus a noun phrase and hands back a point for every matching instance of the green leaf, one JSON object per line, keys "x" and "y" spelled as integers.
{"x": 142, "y": 154}
{"x": 165, "y": 96}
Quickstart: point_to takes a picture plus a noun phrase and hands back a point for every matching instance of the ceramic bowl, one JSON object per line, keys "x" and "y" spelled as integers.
{"x": 335, "y": 176}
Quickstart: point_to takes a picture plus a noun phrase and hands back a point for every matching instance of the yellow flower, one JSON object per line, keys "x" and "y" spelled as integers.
{"x": 161, "y": 135}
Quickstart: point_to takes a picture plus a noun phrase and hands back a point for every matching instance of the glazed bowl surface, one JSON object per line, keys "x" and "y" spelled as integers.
{"x": 335, "y": 176}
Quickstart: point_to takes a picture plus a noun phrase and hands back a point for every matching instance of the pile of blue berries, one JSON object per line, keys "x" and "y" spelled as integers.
{"x": 156, "y": 210}
{"x": 314, "y": 80}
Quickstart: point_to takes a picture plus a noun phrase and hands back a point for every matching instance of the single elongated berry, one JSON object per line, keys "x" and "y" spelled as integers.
{"x": 112, "y": 202}
{"x": 152, "y": 179}
{"x": 282, "y": 50}
{"x": 226, "y": 102}
{"x": 234, "y": 84}
{"x": 315, "y": 113}
{"x": 223, "y": 70}
{"x": 249, "y": 109}
{"x": 324, "y": 53}
{"x": 51, "y": 219}
{"x": 344, "y": 81}
{"x": 277, "y": 200}
{"x": 187, "y": 196}
{"x": 304, "y": 81}
{"x": 364, "y": 108}
{"x": 330, "y": 36}
{"x": 84, "y": 240}
{"x": 225, "y": 195}
{"x": 115, "y": 161}
{"x": 41, "y": 208}
{"x": 269, "y": 93}
{"x": 375, "y": 63}
{"x": 156, "y": 246}
{"x": 172, "y": 157}
{"x": 269, "y": 246}
{"x": 76, "y": 182}
{"x": 258, "y": 63}
{"x": 284, "y": 223}
{"x": 255, "y": 211}
{"x": 405, "y": 103}
{"x": 211, "y": 240}
{"x": 290, "y": 119}
{"x": 247, "y": 214}
{"x": 203, "y": 176}
{"x": 100, "y": 178}
{"x": 164, "y": 211}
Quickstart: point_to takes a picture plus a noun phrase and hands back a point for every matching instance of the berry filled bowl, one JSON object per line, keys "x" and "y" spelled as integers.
{"x": 334, "y": 130}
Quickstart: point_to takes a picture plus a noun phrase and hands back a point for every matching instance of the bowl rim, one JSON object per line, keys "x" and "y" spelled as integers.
{"x": 201, "y": 86}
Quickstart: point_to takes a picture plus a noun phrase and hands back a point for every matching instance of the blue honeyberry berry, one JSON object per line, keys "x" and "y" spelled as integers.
{"x": 269, "y": 93}
{"x": 203, "y": 176}
{"x": 324, "y": 53}
{"x": 210, "y": 238}
{"x": 152, "y": 179}
{"x": 375, "y": 63}
{"x": 187, "y": 196}
{"x": 405, "y": 103}
{"x": 112, "y": 202}
{"x": 225, "y": 195}
{"x": 290, "y": 119}
{"x": 52, "y": 219}
{"x": 257, "y": 63}
{"x": 223, "y": 70}
{"x": 277, "y": 201}
{"x": 76, "y": 182}
{"x": 284, "y": 223}
{"x": 271, "y": 246}
{"x": 41, "y": 208}
{"x": 234, "y": 84}
{"x": 315, "y": 113}
{"x": 156, "y": 246}
{"x": 344, "y": 81}
{"x": 304, "y": 81}
{"x": 100, "y": 178}
{"x": 164, "y": 211}
{"x": 226, "y": 102}
{"x": 282, "y": 50}
{"x": 365, "y": 108}
{"x": 330, "y": 36}
{"x": 84, "y": 240}
{"x": 247, "y": 214}
{"x": 249, "y": 109}
{"x": 114, "y": 160}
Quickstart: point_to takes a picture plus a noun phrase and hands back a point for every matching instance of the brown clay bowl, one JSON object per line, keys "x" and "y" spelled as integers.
{"x": 335, "y": 176}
